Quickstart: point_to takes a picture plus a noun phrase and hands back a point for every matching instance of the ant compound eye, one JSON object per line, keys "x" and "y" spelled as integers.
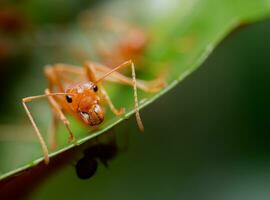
{"x": 95, "y": 88}
{"x": 69, "y": 99}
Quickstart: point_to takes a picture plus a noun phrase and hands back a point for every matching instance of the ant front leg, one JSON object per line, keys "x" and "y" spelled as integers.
{"x": 60, "y": 114}
{"x": 40, "y": 138}
{"x": 91, "y": 75}
{"x": 52, "y": 132}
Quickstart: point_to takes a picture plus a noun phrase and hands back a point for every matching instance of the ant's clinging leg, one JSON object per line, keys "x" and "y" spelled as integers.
{"x": 40, "y": 138}
{"x": 91, "y": 75}
{"x": 60, "y": 114}
{"x": 52, "y": 131}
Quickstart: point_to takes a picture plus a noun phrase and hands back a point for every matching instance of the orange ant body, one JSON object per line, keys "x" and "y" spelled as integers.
{"x": 79, "y": 92}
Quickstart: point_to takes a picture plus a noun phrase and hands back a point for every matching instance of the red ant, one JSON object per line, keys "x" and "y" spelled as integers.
{"x": 130, "y": 40}
{"x": 83, "y": 97}
{"x": 133, "y": 42}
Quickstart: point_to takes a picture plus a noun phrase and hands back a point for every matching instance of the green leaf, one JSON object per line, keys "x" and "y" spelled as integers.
{"x": 183, "y": 35}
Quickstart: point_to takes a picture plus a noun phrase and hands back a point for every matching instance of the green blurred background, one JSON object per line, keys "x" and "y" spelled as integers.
{"x": 208, "y": 138}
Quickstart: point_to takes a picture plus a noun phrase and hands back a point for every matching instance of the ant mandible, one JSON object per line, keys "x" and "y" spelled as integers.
{"x": 84, "y": 96}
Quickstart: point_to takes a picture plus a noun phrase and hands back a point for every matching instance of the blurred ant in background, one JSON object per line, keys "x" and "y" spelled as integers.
{"x": 129, "y": 40}
{"x": 132, "y": 42}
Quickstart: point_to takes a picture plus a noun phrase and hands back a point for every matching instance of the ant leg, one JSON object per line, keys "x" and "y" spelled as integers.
{"x": 90, "y": 71}
{"x": 91, "y": 74}
{"x": 40, "y": 138}
{"x": 67, "y": 68}
{"x": 61, "y": 67}
{"x": 147, "y": 86}
{"x": 117, "y": 112}
{"x": 52, "y": 132}
{"x": 61, "y": 115}
{"x": 53, "y": 78}
{"x": 134, "y": 84}
{"x": 59, "y": 74}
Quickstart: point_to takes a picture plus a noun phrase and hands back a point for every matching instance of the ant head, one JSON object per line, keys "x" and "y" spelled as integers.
{"x": 83, "y": 98}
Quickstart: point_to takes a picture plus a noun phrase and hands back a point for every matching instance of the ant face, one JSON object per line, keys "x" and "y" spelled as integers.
{"x": 84, "y": 100}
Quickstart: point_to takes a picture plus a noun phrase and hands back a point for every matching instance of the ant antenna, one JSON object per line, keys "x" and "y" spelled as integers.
{"x": 28, "y": 99}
